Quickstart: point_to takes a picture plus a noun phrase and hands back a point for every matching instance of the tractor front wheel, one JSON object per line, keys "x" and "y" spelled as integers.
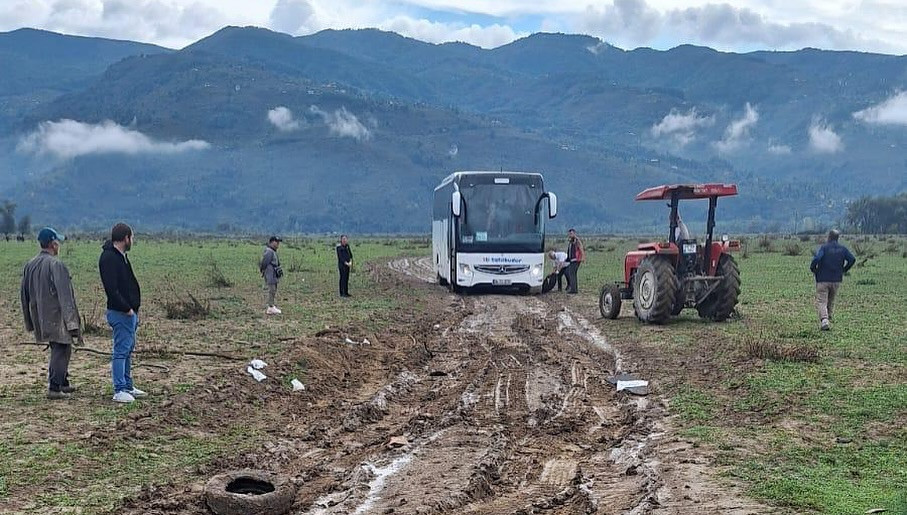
{"x": 655, "y": 290}
{"x": 719, "y": 305}
{"x": 609, "y": 301}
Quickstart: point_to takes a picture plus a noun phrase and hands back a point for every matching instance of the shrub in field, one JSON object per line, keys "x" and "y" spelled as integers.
{"x": 186, "y": 308}
{"x": 805, "y": 238}
{"x": 763, "y": 348}
{"x": 216, "y": 277}
{"x": 791, "y": 248}
{"x": 764, "y": 243}
{"x": 93, "y": 319}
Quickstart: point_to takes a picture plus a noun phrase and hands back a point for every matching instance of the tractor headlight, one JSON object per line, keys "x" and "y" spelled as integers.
{"x": 465, "y": 270}
{"x": 537, "y": 270}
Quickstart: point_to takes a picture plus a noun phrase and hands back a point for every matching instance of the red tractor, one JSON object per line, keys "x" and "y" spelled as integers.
{"x": 662, "y": 278}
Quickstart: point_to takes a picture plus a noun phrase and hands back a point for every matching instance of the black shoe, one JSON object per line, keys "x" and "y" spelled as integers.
{"x": 68, "y": 389}
{"x": 57, "y": 395}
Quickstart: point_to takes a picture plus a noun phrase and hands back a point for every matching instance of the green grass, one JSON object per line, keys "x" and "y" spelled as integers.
{"x": 46, "y": 462}
{"x": 787, "y": 419}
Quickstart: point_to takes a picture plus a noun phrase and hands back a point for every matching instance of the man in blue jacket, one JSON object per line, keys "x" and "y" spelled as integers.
{"x": 829, "y": 265}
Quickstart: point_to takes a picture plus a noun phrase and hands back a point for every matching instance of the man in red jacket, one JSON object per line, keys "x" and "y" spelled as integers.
{"x": 575, "y": 257}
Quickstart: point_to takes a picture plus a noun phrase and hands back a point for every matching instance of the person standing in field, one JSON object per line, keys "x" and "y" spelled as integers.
{"x": 124, "y": 297}
{"x": 829, "y": 265}
{"x": 345, "y": 265}
{"x": 270, "y": 269}
{"x": 50, "y": 312}
{"x": 575, "y": 257}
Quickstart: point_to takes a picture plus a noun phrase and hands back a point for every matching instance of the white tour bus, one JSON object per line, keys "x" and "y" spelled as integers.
{"x": 488, "y": 229}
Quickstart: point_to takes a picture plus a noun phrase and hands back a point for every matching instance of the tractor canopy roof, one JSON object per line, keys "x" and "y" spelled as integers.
{"x": 688, "y": 191}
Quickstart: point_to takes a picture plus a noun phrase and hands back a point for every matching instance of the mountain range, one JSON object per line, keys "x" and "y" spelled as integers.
{"x": 252, "y": 130}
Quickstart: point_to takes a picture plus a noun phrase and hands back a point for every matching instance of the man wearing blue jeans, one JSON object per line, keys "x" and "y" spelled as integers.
{"x": 124, "y": 298}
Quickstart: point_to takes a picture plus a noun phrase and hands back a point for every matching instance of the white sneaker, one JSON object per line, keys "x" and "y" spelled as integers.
{"x": 824, "y": 325}
{"x": 136, "y": 393}
{"x": 277, "y": 310}
{"x": 124, "y": 397}
{"x": 272, "y": 311}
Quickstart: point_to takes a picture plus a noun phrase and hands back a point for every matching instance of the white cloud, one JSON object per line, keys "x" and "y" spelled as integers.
{"x": 779, "y": 150}
{"x": 343, "y": 123}
{"x": 738, "y": 131}
{"x": 489, "y": 36}
{"x": 681, "y": 127}
{"x": 633, "y": 23}
{"x": 823, "y": 139}
{"x": 739, "y": 25}
{"x": 67, "y": 139}
{"x": 282, "y": 118}
{"x": 890, "y": 112}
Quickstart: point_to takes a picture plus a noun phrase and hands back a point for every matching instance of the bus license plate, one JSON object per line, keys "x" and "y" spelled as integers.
{"x": 500, "y": 282}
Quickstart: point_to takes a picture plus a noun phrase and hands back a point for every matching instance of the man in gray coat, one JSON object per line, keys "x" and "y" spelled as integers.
{"x": 271, "y": 271}
{"x": 49, "y": 309}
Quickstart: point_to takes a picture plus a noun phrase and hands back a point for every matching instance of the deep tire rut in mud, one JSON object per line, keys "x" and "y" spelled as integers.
{"x": 499, "y": 404}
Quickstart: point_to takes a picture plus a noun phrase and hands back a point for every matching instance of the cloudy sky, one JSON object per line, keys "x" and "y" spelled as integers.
{"x": 740, "y": 25}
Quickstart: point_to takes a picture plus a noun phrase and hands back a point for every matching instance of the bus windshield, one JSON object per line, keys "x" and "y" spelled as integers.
{"x": 501, "y": 218}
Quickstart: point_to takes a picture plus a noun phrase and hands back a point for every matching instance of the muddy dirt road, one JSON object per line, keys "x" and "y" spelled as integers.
{"x": 497, "y": 404}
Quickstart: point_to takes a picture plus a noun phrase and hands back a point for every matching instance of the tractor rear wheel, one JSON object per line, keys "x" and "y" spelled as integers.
{"x": 609, "y": 301}
{"x": 655, "y": 290}
{"x": 719, "y": 305}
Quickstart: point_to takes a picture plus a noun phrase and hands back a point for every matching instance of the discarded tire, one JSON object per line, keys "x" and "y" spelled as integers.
{"x": 249, "y": 492}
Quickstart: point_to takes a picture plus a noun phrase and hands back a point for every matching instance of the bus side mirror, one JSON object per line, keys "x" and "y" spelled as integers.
{"x": 455, "y": 202}
{"x": 552, "y": 205}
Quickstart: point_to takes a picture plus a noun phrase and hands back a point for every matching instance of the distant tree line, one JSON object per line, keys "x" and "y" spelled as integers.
{"x": 876, "y": 215}
{"x": 8, "y": 225}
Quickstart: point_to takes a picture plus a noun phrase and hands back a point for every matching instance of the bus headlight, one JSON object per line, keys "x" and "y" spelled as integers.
{"x": 537, "y": 270}
{"x": 465, "y": 270}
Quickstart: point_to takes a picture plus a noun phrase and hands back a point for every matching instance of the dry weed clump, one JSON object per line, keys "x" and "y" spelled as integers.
{"x": 217, "y": 278}
{"x": 763, "y": 348}
{"x": 791, "y": 248}
{"x": 186, "y": 308}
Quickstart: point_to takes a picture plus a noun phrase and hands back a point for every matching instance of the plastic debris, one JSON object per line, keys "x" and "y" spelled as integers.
{"x": 366, "y": 342}
{"x": 258, "y": 364}
{"x": 624, "y": 385}
{"x": 630, "y": 383}
{"x": 351, "y": 342}
{"x": 258, "y": 376}
{"x": 297, "y": 385}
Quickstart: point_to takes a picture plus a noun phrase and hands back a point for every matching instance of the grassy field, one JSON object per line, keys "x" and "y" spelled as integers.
{"x": 51, "y": 456}
{"x": 827, "y": 435}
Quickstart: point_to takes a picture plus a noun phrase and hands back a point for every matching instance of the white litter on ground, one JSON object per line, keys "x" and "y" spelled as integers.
{"x": 258, "y": 364}
{"x": 366, "y": 342}
{"x": 256, "y": 374}
{"x": 297, "y": 385}
{"x": 623, "y": 385}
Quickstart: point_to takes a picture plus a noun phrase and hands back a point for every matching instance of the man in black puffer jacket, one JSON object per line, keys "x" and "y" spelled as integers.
{"x": 124, "y": 297}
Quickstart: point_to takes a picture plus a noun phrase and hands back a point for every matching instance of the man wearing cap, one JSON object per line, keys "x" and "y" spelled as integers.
{"x": 49, "y": 308}
{"x": 269, "y": 266}
{"x": 124, "y": 297}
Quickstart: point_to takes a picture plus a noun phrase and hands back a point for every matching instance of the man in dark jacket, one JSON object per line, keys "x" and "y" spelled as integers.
{"x": 124, "y": 297}
{"x": 829, "y": 265}
{"x": 49, "y": 309}
{"x": 344, "y": 264}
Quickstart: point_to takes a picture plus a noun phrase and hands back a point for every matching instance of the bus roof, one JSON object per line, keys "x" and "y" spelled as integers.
{"x": 456, "y": 176}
